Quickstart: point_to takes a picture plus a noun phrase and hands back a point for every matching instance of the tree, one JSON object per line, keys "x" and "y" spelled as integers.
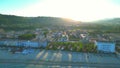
{"x": 26, "y": 36}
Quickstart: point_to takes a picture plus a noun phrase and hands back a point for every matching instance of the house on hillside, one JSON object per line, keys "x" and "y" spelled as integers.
{"x": 106, "y": 47}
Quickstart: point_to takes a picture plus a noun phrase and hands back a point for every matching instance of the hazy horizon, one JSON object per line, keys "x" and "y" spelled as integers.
{"x": 79, "y": 10}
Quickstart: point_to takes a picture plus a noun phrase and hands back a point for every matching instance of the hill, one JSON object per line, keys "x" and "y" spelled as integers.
{"x": 11, "y": 22}
{"x": 106, "y": 25}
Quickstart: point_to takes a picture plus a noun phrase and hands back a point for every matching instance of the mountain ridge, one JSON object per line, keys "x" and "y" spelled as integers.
{"x": 19, "y": 22}
{"x": 12, "y": 22}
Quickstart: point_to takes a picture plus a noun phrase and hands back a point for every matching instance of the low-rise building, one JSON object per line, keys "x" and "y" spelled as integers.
{"x": 107, "y": 47}
{"x": 23, "y": 43}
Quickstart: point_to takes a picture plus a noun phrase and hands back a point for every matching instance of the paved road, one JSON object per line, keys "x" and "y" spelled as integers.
{"x": 49, "y": 63}
{"x": 59, "y": 58}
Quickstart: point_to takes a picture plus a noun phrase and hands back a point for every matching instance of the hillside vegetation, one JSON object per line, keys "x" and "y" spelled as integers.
{"x": 11, "y": 22}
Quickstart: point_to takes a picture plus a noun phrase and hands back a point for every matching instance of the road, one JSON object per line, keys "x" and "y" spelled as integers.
{"x": 58, "y": 58}
{"x": 50, "y": 63}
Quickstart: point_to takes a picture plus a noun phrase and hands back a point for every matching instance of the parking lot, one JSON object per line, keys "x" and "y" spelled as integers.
{"x": 55, "y": 56}
{"x": 62, "y": 56}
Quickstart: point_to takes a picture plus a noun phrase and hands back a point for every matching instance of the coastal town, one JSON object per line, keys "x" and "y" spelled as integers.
{"x": 73, "y": 46}
{"x": 47, "y": 39}
{"x": 59, "y": 33}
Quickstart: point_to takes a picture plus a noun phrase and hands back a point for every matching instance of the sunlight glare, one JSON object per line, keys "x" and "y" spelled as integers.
{"x": 80, "y": 10}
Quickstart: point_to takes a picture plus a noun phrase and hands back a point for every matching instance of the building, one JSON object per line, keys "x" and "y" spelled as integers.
{"x": 107, "y": 47}
{"x": 23, "y": 43}
{"x": 64, "y": 38}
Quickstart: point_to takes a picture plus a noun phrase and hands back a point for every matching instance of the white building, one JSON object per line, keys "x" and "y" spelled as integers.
{"x": 64, "y": 38}
{"x": 23, "y": 43}
{"x": 108, "y": 47}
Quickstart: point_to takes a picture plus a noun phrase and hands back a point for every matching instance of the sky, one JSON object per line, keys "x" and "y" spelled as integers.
{"x": 79, "y": 10}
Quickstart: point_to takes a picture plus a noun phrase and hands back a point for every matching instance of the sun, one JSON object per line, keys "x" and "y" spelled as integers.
{"x": 78, "y": 10}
